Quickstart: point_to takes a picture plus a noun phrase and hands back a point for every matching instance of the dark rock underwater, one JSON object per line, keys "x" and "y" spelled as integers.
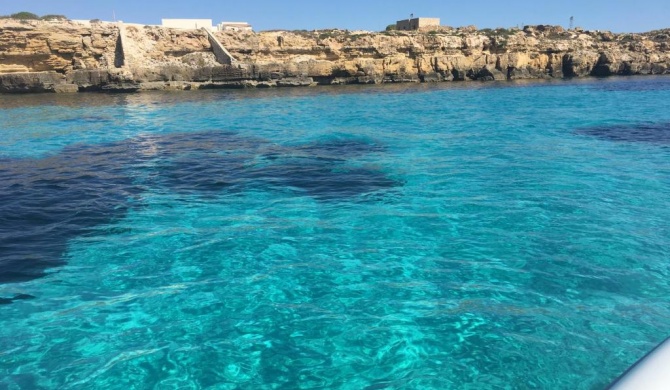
{"x": 651, "y": 133}
{"x": 47, "y": 201}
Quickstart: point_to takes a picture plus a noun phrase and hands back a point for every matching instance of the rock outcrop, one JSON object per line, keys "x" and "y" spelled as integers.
{"x": 64, "y": 57}
{"x": 39, "y": 47}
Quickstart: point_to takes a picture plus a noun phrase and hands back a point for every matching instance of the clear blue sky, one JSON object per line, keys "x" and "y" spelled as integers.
{"x": 615, "y": 15}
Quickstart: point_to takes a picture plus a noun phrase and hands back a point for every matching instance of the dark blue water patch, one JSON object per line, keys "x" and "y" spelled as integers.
{"x": 205, "y": 162}
{"x": 87, "y": 119}
{"x": 202, "y": 174}
{"x": 633, "y": 84}
{"x": 654, "y": 133}
{"x": 341, "y": 148}
{"x": 323, "y": 179}
{"x": 180, "y": 144}
{"x": 213, "y": 162}
{"x": 322, "y": 169}
{"x": 17, "y": 297}
{"x": 46, "y": 202}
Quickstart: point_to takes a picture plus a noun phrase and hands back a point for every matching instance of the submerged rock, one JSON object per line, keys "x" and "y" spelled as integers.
{"x": 18, "y": 297}
{"x": 654, "y": 133}
{"x": 46, "y": 202}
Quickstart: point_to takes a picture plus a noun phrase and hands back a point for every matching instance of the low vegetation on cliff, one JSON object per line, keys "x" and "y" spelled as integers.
{"x": 24, "y": 15}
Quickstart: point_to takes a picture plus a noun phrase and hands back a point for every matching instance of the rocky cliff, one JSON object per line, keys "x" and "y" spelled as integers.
{"x": 452, "y": 54}
{"x": 69, "y": 57}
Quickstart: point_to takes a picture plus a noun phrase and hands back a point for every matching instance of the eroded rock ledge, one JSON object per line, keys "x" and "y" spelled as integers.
{"x": 68, "y": 57}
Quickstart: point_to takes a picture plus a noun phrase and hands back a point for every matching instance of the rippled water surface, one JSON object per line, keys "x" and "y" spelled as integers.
{"x": 477, "y": 236}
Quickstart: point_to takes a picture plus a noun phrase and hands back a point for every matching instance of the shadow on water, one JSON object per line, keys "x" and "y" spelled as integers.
{"x": 653, "y": 133}
{"x": 46, "y": 202}
{"x": 631, "y": 84}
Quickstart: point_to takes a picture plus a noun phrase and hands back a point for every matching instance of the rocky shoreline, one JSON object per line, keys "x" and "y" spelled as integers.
{"x": 66, "y": 57}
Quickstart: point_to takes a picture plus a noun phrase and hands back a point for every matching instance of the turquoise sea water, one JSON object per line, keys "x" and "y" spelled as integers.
{"x": 476, "y": 236}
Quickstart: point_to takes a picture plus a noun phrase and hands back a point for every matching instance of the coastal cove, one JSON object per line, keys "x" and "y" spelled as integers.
{"x": 37, "y": 56}
{"x": 422, "y": 236}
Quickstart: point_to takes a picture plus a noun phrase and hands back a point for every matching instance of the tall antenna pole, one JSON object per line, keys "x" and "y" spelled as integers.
{"x": 114, "y": 15}
{"x": 572, "y": 22}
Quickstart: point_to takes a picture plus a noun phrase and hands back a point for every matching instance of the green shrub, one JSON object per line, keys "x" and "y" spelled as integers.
{"x": 353, "y": 37}
{"x": 501, "y": 32}
{"x": 54, "y": 17}
{"x": 24, "y": 16}
{"x": 506, "y": 32}
{"x": 627, "y": 38}
{"x": 391, "y": 27}
{"x": 303, "y": 33}
{"x": 329, "y": 33}
{"x": 559, "y": 36}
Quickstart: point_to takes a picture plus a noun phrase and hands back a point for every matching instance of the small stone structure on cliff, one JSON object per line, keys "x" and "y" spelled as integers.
{"x": 416, "y": 23}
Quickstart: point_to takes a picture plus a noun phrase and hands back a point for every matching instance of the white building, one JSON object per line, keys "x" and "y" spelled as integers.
{"x": 188, "y": 24}
{"x": 86, "y": 22}
{"x": 234, "y": 26}
{"x": 90, "y": 22}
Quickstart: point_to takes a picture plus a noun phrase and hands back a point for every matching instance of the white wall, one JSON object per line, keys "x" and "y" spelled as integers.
{"x": 84, "y": 22}
{"x": 234, "y": 26}
{"x": 187, "y": 24}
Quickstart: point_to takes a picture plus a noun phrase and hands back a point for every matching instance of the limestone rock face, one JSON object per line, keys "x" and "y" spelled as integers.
{"x": 41, "y": 46}
{"x": 154, "y": 46}
{"x": 127, "y": 56}
{"x": 579, "y": 64}
{"x": 30, "y": 82}
{"x": 461, "y": 54}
